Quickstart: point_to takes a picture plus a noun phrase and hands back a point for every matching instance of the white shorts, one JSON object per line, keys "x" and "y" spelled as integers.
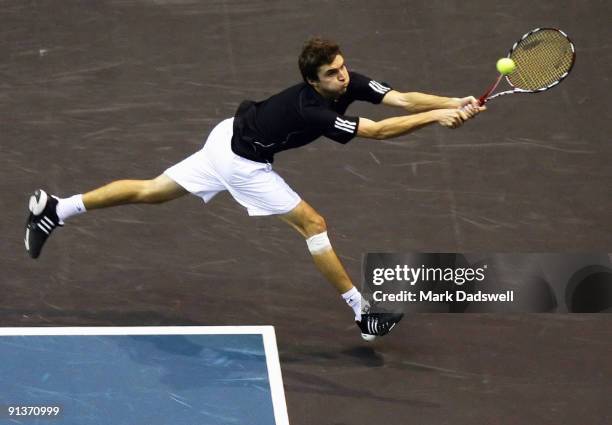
{"x": 216, "y": 168}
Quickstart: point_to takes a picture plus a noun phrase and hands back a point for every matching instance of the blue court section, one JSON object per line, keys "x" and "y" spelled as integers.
{"x": 146, "y": 379}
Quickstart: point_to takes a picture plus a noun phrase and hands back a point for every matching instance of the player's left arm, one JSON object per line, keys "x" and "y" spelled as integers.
{"x": 415, "y": 102}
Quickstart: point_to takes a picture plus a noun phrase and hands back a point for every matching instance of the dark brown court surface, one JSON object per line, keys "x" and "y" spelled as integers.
{"x": 91, "y": 92}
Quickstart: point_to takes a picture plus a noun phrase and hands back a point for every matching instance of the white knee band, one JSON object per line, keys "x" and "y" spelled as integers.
{"x": 318, "y": 244}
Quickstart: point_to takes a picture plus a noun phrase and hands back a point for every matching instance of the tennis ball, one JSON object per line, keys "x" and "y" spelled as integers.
{"x": 505, "y": 66}
{"x": 368, "y": 337}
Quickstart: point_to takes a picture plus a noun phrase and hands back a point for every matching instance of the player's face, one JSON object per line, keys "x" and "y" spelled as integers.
{"x": 333, "y": 78}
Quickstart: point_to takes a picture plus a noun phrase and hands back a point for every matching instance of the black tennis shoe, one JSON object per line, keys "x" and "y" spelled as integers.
{"x": 41, "y": 222}
{"x": 378, "y": 324}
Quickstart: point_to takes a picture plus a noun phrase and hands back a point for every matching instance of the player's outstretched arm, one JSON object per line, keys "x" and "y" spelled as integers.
{"x": 415, "y": 102}
{"x": 396, "y": 126}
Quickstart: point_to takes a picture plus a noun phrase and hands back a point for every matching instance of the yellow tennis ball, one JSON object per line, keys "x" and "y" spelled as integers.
{"x": 505, "y": 66}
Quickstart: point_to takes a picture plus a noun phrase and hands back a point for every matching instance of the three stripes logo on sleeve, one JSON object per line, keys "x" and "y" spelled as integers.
{"x": 378, "y": 88}
{"x": 345, "y": 125}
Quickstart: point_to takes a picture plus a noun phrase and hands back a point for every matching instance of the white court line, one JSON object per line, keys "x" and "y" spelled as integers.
{"x": 274, "y": 375}
{"x": 137, "y": 330}
{"x": 275, "y": 378}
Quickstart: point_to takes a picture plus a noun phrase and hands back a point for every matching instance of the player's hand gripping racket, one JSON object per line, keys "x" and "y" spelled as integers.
{"x": 543, "y": 58}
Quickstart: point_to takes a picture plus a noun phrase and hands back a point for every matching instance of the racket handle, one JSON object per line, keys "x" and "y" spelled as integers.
{"x": 481, "y": 102}
{"x": 483, "y": 99}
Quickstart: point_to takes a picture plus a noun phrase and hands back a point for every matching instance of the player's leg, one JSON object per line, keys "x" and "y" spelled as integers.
{"x": 120, "y": 192}
{"x": 48, "y": 211}
{"x": 312, "y": 226}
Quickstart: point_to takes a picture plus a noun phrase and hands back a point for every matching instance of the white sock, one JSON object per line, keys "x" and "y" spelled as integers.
{"x": 67, "y": 207}
{"x": 353, "y": 299}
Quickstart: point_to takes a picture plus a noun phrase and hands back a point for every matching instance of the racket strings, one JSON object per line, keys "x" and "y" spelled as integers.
{"x": 542, "y": 59}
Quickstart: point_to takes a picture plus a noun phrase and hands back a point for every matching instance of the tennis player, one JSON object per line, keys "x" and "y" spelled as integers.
{"x": 239, "y": 153}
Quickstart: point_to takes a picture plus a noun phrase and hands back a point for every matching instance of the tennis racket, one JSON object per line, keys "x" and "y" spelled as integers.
{"x": 544, "y": 57}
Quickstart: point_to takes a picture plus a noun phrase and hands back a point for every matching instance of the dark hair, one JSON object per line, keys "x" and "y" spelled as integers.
{"x": 317, "y": 51}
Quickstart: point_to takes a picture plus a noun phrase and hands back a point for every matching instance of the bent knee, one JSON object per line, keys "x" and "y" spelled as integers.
{"x": 315, "y": 225}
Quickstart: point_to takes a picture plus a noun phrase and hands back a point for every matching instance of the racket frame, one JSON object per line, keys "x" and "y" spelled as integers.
{"x": 486, "y": 96}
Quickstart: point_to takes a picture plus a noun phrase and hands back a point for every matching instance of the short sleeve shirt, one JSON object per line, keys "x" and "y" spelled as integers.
{"x": 299, "y": 115}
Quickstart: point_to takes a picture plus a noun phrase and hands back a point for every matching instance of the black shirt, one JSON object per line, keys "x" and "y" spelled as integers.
{"x": 298, "y": 116}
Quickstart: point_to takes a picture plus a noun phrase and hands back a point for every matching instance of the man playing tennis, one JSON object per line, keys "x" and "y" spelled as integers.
{"x": 239, "y": 152}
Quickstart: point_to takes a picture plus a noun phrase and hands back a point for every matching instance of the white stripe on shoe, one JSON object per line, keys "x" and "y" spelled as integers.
{"x": 42, "y": 228}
